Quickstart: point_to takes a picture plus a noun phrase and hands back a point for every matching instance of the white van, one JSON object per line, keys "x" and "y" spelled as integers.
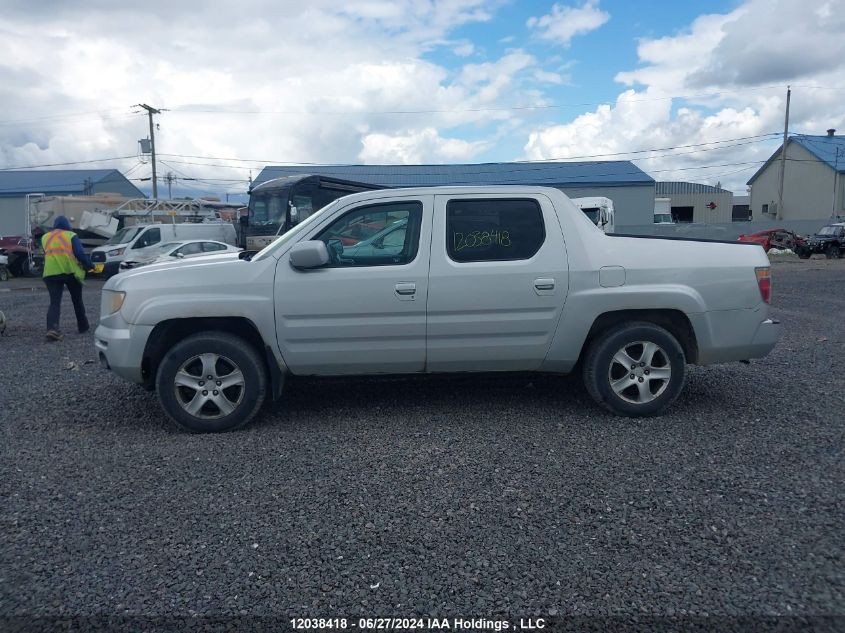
{"x": 599, "y": 209}
{"x": 140, "y": 239}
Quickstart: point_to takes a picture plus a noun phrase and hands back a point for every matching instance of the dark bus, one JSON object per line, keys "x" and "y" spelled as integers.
{"x": 281, "y": 203}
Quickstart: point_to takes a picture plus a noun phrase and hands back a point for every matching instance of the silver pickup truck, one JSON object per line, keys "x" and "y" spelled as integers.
{"x": 439, "y": 279}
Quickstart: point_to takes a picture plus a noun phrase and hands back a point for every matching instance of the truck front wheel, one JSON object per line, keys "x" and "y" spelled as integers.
{"x": 636, "y": 369}
{"x": 211, "y": 382}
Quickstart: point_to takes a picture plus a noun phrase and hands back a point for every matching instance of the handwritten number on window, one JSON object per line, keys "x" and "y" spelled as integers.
{"x": 478, "y": 239}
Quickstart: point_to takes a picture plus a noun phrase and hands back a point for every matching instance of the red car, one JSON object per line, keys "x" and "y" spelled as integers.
{"x": 776, "y": 238}
{"x": 17, "y": 249}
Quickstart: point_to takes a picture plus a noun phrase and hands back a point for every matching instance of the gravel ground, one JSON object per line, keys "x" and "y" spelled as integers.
{"x": 471, "y": 497}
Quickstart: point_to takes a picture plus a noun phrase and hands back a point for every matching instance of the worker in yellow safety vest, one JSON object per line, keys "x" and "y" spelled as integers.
{"x": 65, "y": 263}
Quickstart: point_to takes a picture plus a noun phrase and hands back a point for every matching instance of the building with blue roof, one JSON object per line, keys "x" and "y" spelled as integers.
{"x": 15, "y": 185}
{"x": 813, "y": 183}
{"x": 630, "y": 188}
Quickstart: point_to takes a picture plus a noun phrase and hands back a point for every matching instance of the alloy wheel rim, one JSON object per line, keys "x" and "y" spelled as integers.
{"x": 639, "y": 372}
{"x": 209, "y": 386}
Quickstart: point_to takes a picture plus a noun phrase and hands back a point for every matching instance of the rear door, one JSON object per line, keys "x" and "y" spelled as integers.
{"x": 364, "y": 312}
{"x": 498, "y": 281}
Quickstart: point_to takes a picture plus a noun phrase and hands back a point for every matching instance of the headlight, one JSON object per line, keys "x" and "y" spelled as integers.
{"x": 116, "y": 252}
{"x": 112, "y": 301}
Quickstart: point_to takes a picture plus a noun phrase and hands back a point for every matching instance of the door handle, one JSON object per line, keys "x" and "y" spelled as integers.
{"x": 406, "y": 288}
{"x": 544, "y": 284}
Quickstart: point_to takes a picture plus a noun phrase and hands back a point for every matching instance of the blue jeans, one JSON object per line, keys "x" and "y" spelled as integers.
{"x": 55, "y": 286}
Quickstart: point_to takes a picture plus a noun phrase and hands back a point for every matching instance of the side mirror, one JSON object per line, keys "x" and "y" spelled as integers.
{"x": 180, "y": 255}
{"x": 309, "y": 254}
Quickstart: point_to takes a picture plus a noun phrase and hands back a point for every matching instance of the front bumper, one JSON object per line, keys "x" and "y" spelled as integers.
{"x": 121, "y": 349}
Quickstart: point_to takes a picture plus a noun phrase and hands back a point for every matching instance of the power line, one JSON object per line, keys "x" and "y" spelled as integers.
{"x": 551, "y": 106}
{"x": 751, "y": 139}
{"x": 72, "y": 115}
{"x": 76, "y": 162}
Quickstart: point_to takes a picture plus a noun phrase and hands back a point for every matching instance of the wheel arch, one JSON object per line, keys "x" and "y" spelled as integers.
{"x": 674, "y": 321}
{"x": 169, "y": 332}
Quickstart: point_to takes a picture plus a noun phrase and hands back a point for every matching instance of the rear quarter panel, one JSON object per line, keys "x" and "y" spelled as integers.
{"x": 701, "y": 279}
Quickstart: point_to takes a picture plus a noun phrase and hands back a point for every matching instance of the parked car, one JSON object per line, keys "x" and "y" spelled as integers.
{"x": 778, "y": 238}
{"x": 139, "y": 240}
{"x": 389, "y": 241}
{"x": 484, "y": 281}
{"x": 24, "y": 256}
{"x": 178, "y": 250}
{"x": 830, "y": 240}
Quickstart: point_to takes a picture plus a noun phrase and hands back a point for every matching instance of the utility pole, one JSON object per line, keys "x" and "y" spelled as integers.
{"x": 783, "y": 156}
{"x": 835, "y": 174}
{"x": 150, "y": 112}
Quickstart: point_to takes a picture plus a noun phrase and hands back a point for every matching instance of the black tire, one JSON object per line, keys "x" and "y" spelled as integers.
{"x": 219, "y": 353}
{"x": 803, "y": 253}
{"x": 601, "y": 370}
{"x": 4, "y": 273}
{"x": 834, "y": 251}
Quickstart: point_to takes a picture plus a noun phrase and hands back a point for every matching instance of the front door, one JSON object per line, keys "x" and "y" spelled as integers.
{"x": 365, "y": 311}
{"x": 498, "y": 281}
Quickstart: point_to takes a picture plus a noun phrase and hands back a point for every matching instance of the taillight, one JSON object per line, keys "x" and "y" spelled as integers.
{"x": 764, "y": 282}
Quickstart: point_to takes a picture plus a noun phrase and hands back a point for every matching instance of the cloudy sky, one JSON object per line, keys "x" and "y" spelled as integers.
{"x": 688, "y": 90}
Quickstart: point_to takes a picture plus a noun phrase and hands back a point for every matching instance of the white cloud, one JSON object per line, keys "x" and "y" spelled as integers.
{"x": 724, "y": 65}
{"x": 304, "y": 84}
{"x": 545, "y": 77}
{"x": 415, "y": 147}
{"x": 464, "y": 50}
{"x": 565, "y": 22}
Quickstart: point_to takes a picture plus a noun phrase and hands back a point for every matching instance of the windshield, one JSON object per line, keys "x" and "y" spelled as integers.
{"x": 663, "y": 218}
{"x": 592, "y": 213}
{"x": 829, "y": 230}
{"x": 124, "y": 235}
{"x": 266, "y": 209}
{"x": 288, "y": 236}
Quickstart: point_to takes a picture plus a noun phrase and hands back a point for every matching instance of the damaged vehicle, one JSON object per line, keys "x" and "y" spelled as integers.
{"x": 24, "y": 257}
{"x": 780, "y": 239}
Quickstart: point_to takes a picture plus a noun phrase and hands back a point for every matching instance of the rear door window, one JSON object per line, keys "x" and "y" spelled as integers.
{"x": 188, "y": 249}
{"x": 493, "y": 230}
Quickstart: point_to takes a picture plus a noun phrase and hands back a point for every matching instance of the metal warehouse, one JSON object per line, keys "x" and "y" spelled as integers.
{"x": 697, "y": 203}
{"x": 16, "y": 185}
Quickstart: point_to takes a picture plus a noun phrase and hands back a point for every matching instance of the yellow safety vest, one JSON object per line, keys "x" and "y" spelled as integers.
{"x": 58, "y": 255}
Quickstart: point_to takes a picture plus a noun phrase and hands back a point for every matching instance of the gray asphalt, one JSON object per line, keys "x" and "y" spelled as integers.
{"x": 469, "y": 497}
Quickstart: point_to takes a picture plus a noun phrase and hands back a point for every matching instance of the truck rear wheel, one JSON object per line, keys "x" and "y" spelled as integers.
{"x": 636, "y": 369}
{"x": 211, "y": 382}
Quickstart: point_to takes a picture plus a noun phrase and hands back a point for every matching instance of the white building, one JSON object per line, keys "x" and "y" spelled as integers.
{"x": 812, "y": 184}
{"x": 696, "y": 203}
